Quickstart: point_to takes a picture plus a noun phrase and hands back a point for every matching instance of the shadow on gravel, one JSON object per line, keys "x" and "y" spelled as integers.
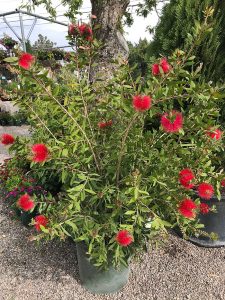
{"x": 51, "y": 260}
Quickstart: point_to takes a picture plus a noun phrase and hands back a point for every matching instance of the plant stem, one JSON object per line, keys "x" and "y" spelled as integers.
{"x": 41, "y": 121}
{"x": 84, "y": 103}
{"x": 122, "y": 148}
{"x": 72, "y": 118}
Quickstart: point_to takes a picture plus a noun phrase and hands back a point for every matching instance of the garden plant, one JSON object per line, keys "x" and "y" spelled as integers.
{"x": 8, "y": 42}
{"x": 123, "y": 160}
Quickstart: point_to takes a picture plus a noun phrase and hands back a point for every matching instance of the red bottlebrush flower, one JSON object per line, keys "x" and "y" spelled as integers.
{"x": 155, "y": 69}
{"x": 215, "y": 134}
{"x": 124, "y": 238}
{"x": 82, "y": 28}
{"x": 40, "y": 152}
{"x": 165, "y": 65}
{"x": 204, "y": 208}
{"x": 7, "y": 139}
{"x": 205, "y": 190}
{"x": 172, "y": 122}
{"x": 187, "y": 208}
{"x": 25, "y": 202}
{"x": 105, "y": 124}
{"x": 142, "y": 103}
{"x": 223, "y": 182}
{"x": 72, "y": 29}
{"x": 186, "y": 174}
{"x": 186, "y": 184}
{"x": 40, "y": 220}
{"x": 86, "y": 31}
{"x": 26, "y": 60}
{"x": 185, "y": 178}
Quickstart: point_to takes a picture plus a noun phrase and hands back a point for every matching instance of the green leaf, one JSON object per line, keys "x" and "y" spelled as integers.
{"x": 11, "y": 59}
{"x": 192, "y": 57}
{"x": 65, "y": 152}
{"x": 71, "y": 224}
{"x": 130, "y": 212}
{"x": 90, "y": 192}
{"x": 81, "y": 176}
{"x": 77, "y": 188}
{"x": 44, "y": 229}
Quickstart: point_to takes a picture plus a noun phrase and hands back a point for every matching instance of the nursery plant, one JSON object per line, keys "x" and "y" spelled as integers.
{"x": 19, "y": 190}
{"x": 3, "y": 55}
{"x": 131, "y": 158}
{"x": 8, "y": 42}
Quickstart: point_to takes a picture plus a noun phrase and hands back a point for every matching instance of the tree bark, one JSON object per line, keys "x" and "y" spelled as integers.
{"x": 109, "y": 14}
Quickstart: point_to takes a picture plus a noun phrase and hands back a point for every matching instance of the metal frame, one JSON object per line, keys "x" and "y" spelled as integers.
{"x": 23, "y": 39}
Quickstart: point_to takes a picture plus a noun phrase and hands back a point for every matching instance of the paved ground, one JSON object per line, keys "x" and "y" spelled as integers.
{"x": 178, "y": 270}
{"x": 14, "y": 130}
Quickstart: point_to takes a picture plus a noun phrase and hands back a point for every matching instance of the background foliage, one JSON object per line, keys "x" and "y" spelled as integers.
{"x": 177, "y": 20}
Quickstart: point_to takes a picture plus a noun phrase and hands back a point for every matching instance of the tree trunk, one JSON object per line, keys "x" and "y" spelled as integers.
{"x": 109, "y": 14}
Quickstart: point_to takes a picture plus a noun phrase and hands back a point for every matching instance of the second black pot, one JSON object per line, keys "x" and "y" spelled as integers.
{"x": 213, "y": 222}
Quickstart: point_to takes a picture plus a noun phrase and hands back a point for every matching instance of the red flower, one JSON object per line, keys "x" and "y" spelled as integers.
{"x": 40, "y": 152}
{"x": 165, "y": 65}
{"x": 105, "y": 124}
{"x": 26, "y": 60}
{"x": 142, "y": 103}
{"x": 124, "y": 238}
{"x": 186, "y": 184}
{"x": 25, "y": 202}
{"x": 40, "y": 220}
{"x": 72, "y": 29}
{"x": 205, "y": 190}
{"x": 7, "y": 139}
{"x": 185, "y": 178}
{"x": 187, "y": 208}
{"x": 204, "y": 208}
{"x": 172, "y": 122}
{"x": 223, "y": 182}
{"x": 215, "y": 134}
{"x": 86, "y": 31}
{"x": 155, "y": 69}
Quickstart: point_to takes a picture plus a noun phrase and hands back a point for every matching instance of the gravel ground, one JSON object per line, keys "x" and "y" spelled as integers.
{"x": 178, "y": 270}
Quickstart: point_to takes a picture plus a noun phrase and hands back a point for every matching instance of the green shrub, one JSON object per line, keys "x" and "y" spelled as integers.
{"x": 116, "y": 174}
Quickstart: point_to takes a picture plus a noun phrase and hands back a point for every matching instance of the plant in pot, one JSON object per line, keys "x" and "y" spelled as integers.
{"x": 58, "y": 54}
{"x": 20, "y": 191}
{"x": 122, "y": 151}
{"x": 3, "y": 55}
{"x": 213, "y": 204}
{"x": 8, "y": 42}
{"x": 43, "y": 55}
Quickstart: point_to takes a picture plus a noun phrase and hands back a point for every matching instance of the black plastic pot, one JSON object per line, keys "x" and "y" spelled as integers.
{"x": 214, "y": 222}
{"x": 99, "y": 281}
{"x": 25, "y": 217}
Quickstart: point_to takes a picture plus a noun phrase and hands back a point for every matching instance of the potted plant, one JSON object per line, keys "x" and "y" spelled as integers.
{"x": 43, "y": 55}
{"x": 127, "y": 155}
{"x": 212, "y": 217}
{"x": 19, "y": 190}
{"x": 58, "y": 54}
{"x": 212, "y": 206}
{"x": 3, "y": 55}
{"x": 8, "y": 42}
